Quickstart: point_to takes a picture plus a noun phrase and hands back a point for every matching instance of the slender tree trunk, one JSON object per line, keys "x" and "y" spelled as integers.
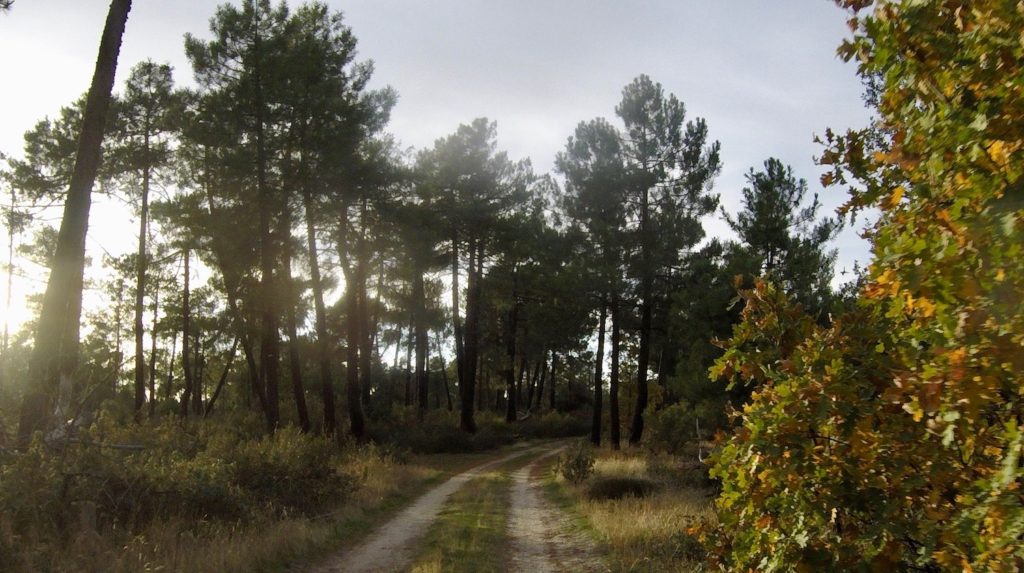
{"x": 595, "y": 426}
{"x": 365, "y": 331}
{"x": 320, "y": 309}
{"x": 152, "y": 350}
{"x": 223, "y": 377}
{"x": 186, "y": 328}
{"x": 467, "y": 389}
{"x": 543, "y": 377}
{"x": 613, "y": 390}
{"x": 270, "y": 343}
{"x": 444, "y": 372}
{"x": 554, "y": 371}
{"x": 531, "y": 388}
{"x": 54, "y": 359}
{"x": 410, "y": 344}
{"x": 420, "y": 328}
{"x": 169, "y": 383}
{"x": 460, "y": 349}
{"x": 199, "y": 370}
{"x": 10, "y": 285}
{"x": 292, "y": 298}
{"x": 511, "y": 388}
{"x": 646, "y": 294}
{"x": 352, "y": 391}
{"x": 140, "y": 287}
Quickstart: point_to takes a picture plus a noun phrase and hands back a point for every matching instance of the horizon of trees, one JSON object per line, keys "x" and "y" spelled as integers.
{"x": 354, "y": 247}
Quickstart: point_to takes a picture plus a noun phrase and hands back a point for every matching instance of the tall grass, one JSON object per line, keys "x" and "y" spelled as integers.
{"x": 646, "y": 533}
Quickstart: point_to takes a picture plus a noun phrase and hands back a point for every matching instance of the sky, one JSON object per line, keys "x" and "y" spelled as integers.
{"x": 764, "y": 75}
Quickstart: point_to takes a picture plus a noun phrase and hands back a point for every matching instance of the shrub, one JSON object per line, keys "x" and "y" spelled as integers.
{"x": 576, "y": 464}
{"x": 619, "y": 487}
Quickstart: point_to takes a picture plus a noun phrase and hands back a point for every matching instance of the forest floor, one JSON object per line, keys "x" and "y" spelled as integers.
{"x": 492, "y": 517}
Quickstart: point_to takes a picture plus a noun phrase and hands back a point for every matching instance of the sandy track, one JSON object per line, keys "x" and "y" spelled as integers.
{"x": 543, "y": 539}
{"x": 392, "y": 546}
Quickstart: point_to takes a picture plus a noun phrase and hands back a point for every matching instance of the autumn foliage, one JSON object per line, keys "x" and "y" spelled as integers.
{"x": 891, "y": 439}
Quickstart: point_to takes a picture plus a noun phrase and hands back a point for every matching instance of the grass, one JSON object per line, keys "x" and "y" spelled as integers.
{"x": 469, "y": 535}
{"x": 637, "y": 533}
{"x": 270, "y": 544}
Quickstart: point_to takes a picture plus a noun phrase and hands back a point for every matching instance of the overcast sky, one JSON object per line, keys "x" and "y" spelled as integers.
{"x": 763, "y": 73}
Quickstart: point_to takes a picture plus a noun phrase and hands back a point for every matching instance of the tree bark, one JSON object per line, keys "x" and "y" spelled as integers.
{"x": 186, "y": 327}
{"x": 152, "y": 351}
{"x": 353, "y": 395}
{"x": 511, "y": 328}
{"x": 554, "y": 371}
{"x": 140, "y": 286}
{"x": 460, "y": 349}
{"x": 320, "y": 309}
{"x": 467, "y": 390}
{"x": 613, "y": 389}
{"x": 420, "y": 327}
{"x": 646, "y": 294}
{"x": 223, "y": 378}
{"x": 292, "y": 298}
{"x": 365, "y": 330}
{"x": 595, "y": 426}
{"x": 54, "y": 359}
{"x": 270, "y": 343}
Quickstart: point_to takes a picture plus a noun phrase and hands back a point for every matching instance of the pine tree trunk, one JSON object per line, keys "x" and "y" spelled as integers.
{"x": 140, "y": 289}
{"x": 554, "y": 371}
{"x": 511, "y": 327}
{"x": 420, "y": 327}
{"x": 613, "y": 390}
{"x": 292, "y": 298}
{"x": 353, "y": 395}
{"x": 270, "y": 343}
{"x": 320, "y": 309}
{"x": 460, "y": 349}
{"x": 467, "y": 390}
{"x": 646, "y": 294}
{"x": 198, "y": 371}
{"x": 595, "y": 426}
{"x": 152, "y": 350}
{"x": 365, "y": 329}
{"x": 186, "y": 327}
{"x": 54, "y": 359}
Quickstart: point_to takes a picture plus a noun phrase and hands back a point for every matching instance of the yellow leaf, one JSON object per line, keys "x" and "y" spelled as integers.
{"x": 997, "y": 151}
{"x": 897, "y": 194}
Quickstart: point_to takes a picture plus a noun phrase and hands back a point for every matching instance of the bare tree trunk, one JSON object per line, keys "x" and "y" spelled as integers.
{"x": 420, "y": 328}
{"x": 460, "y": 350}
{"x": 444, "y": 372}
{"x": 10, "y": 285}
{"x": 613, "y": 389}
{"x": 543, "y": 379}
{"x": 595, "y": 427}
{"x": 291, "y": 299}
{"x": 223, "y": 377}
{"x": 646, "y": 294}
{"x": 186, "y": 327}
{"x": 467, "y": 390}
{"x": 365, "y": 330}
{"x": 54, "y": 358}
{"x": 554, "y": 371}
{"x": 322, "y": 341}
{"x": 152, "y": 350}
{"x": 511, "y": 328}
{"x": 270, "y": 343}
{"x": 353, "y": 394}
{"x": 140, "y": 287}
{"x": 198, "y": 371}
{"x": 169, "y": 383}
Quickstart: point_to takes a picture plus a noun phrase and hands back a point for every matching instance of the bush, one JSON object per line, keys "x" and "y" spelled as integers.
{"x": 576, "y": 464}
{"x": 619, "y": 487}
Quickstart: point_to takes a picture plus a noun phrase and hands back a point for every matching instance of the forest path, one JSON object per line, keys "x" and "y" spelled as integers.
{"x": 543, "y": 538}
{"x": 393, "y": 545}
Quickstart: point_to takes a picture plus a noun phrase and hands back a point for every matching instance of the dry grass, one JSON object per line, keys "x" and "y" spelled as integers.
{"x": 640, "y": 534}
{"x": 261, "y": 545}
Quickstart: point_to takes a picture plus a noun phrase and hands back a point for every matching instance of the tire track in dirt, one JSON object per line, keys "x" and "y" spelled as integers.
{"x": 393, "y": 545}
{"x": 543, "y": 538}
